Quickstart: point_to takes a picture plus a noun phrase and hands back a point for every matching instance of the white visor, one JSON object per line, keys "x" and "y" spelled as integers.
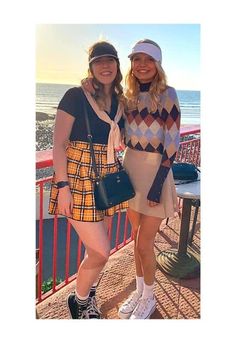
{"x": 149, "y": 49}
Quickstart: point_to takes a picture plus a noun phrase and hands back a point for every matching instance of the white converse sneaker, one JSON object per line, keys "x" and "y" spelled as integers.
{"x": 129, "y": 305}
{"x": 144, "y": 309}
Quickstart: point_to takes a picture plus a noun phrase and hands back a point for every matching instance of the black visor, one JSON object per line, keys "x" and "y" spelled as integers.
{"x": 102, "y": 50}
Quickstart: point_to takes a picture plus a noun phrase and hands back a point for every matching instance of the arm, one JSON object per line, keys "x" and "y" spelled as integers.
{"x": 62, "y": 130}
{"x": 63, "y": 126}
{"x": 171, "y": 145}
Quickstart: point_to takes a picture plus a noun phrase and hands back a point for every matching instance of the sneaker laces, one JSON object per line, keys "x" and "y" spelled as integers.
{"x": 132, "y": 300}
{"x": 142, "y": 306}
{"x": 81, "y": 312}
{"x": 92, "y": 309}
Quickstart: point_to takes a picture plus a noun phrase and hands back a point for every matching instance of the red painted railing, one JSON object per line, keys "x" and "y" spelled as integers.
{"x": 44, "y": 158}
{"x": 189, "y": 151}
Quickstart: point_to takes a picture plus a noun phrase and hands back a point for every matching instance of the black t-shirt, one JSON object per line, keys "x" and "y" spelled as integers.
{"x": 72, "y": 104}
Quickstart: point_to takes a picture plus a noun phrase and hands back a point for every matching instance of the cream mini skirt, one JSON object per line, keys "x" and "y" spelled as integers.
{"x": 142, "y": 168}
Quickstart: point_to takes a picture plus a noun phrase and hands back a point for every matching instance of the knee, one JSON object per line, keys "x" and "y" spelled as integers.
{"x": 104, "y": 257}
{"x": 140, "y": 249}
{"x": 99, "y": 258}
{"x": 143, "y": 248}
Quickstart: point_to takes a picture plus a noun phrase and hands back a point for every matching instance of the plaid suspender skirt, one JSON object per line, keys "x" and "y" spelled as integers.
{"x": 81, "y": 180}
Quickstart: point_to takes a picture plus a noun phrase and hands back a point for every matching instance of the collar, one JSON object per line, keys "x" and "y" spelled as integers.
{"x": 144, "y": 87}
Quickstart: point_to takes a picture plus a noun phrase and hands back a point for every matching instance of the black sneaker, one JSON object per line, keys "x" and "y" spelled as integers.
{"x": 76, "y": 311}
{"x": 92, "y": 310}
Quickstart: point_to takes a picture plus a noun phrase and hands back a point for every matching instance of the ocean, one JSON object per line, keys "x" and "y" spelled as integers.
{"x": 48, "y": 96}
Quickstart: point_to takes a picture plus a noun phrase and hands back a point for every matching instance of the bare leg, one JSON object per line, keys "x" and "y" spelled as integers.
{"x": 149, "y": 226}
{"x": 94, "y": 237}
{"x": 107, "y": 221}
{"x": 134, "y": 218}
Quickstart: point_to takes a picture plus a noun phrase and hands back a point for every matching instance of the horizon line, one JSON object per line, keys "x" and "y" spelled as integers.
{"x": 76, "y": 84}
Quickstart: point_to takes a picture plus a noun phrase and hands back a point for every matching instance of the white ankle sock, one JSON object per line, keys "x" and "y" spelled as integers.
{"x": 148, "y": 291}
{"x": 139, "y": 284}
{"x": 80, "y": 297}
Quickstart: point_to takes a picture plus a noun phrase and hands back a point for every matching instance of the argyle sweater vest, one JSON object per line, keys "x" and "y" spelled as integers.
{"x": 157, "y": 132}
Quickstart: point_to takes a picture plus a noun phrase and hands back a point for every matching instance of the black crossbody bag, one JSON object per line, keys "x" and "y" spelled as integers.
{"x": 112, "y": 188}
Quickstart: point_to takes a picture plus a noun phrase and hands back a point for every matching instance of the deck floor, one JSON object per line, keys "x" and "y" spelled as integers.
{"x": 176, "y": 298}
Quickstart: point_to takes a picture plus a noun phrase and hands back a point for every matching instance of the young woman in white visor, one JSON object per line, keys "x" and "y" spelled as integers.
{"x": 152, "y": 123}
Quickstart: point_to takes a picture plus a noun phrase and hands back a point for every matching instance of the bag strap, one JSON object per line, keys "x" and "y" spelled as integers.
{"x": 114, "y": 136}
{"x": 90, "y": 139}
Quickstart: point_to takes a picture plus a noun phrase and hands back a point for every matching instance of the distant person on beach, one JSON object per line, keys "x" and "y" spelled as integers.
{"x": 152, "y": 133}
{"x": 72, "y": 186}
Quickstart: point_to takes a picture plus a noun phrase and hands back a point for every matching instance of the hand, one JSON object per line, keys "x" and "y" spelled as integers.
{"x": 65, "y": 201}
{"x": 87, "y": 83}
{"x": 152, "y": 203}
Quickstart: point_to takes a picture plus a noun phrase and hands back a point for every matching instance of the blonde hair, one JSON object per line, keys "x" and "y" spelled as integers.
{"x": 158, "y": 85}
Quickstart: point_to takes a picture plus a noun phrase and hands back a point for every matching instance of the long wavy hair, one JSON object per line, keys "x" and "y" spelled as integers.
{"x": 158, "y": 85}
{"x": 116, "y": 86}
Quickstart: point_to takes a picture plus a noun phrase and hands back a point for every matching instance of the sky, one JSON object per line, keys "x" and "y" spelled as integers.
{"x": 61, "y": 50}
